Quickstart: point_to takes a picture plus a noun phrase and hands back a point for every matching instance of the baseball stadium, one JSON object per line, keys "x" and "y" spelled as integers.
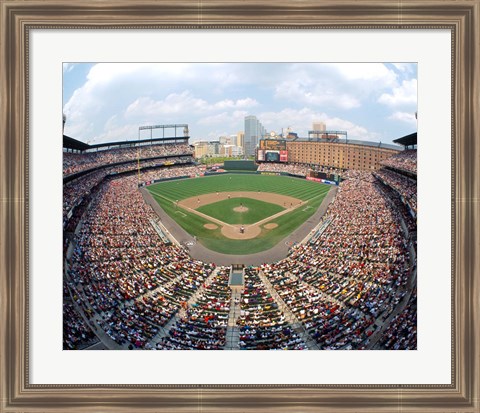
{"x": 309, "y": 246}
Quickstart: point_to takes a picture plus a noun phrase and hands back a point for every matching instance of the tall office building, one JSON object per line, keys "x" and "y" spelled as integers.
{"x": 254, "y": 131}
{"x": 240, "y": 139}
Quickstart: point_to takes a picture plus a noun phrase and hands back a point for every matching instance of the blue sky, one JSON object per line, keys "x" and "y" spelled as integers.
{"x": 108, "y": 101}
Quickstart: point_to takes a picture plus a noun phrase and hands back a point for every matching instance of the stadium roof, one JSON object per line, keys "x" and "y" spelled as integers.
{"x": 136, "y": 142}
{"x": 70, "y": 143}
{"x": 353, "y": 142}
{"x": 407, "y": 140}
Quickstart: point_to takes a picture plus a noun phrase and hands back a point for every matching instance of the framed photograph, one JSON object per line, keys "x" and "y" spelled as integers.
{"x": 181, "y": 80}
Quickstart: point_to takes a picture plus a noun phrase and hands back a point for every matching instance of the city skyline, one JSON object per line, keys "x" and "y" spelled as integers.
{"x": 108, "y": 102}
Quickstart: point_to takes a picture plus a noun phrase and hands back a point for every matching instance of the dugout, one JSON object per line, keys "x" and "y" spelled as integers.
{"x": 240, "y": 165}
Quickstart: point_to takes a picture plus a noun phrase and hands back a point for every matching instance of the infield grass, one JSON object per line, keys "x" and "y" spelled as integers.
{"x": 169, "y": 192}
{"x": 224, "y": 210}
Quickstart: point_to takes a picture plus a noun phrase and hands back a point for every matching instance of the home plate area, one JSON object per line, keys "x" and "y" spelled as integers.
{"x": 242, "y": 214}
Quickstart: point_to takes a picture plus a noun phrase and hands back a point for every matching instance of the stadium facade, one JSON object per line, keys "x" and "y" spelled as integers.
{"x": 335, "y": 153}
{"x": 343, "y": 154}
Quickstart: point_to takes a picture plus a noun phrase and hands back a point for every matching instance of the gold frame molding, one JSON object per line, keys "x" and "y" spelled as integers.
{"x": 17, "y": 17}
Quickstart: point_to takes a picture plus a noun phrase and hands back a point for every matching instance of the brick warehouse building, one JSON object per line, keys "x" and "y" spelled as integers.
{"x": 340, "y": 153}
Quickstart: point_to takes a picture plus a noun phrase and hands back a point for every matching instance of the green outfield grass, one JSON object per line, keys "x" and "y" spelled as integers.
{"x": 167, "y": 193}
{"x": 224, "y": 210}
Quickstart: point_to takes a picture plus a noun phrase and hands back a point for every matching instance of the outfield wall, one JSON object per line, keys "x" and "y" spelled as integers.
{"x": 240, "y": 165}
{"x": 148, "y": 183}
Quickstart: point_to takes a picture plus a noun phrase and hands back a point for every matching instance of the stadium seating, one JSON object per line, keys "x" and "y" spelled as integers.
{"x": 335, "y": 291}
{"x": 76, "y": 162}
{"x": 404, "y": 161}
{"x": 203, "y": 324}
{"x": 263, "y": 324}
{"x": 294, "y": 169}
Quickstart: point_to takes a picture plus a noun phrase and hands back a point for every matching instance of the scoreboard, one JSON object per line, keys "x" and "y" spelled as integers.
{"x": 273, "y": 145}
{"x": 272, "y": 150}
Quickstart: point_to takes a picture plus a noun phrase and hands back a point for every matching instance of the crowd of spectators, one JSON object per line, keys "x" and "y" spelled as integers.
{"x": 203, "y": 324}
{"x": 330, "y": 322}
{"x": 405, "y": 161}
{"x": 358, "y": 266}
{"x": 329, "y": 170}
{"x": 402, "y": 207}
{"x": 76, "y": 190}
{"x": 172, "y": 172}
{"x": 401, "y": 333}
{"x": 263, "y": 324}
{"x": 406, "y": 187}
{"x": 76, "y": 332}
{"x": 124, "y": 271}
{"x": 291, "y": 168}
{"x": 76, "y": 162}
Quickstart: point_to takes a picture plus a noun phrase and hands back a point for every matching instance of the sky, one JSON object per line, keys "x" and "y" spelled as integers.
{"x": 107, "y": 102}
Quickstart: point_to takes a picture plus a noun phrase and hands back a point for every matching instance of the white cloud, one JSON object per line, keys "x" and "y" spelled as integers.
{"x": 116, "y": 98}
{"x": 296, "y": 118}
{"x": 403, "y": 67}
{"x": 354, "y": 131}
{"x": 119, "y": 133}
{"x": 301, "y": 121}
{"x": 335, "y": 85}
{"x": 183, "y": 104}
{"x": 82, "y": 129}
{"x": 230, "y": 118}
{"x": 406, "y": 94}
{"x": 233, "y": 104}
{"x": 215, "y": 119}
{"x": 146, "y": 107}
{"x": 376, "y": 72}
{"x": 296, "y": 91}
{"x": 106, "y": 73}
{"x": 406, "y": 117}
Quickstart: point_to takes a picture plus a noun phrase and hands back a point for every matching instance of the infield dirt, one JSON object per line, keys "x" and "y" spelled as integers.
{"x": 200, "y": 200}
{"x": 241, "y": 231}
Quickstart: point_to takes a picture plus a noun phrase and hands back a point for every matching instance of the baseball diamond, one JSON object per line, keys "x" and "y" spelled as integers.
{"x": 268, "y": 209}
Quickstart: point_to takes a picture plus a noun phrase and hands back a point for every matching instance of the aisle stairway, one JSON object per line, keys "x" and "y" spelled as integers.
{"x": 233, "y": 331}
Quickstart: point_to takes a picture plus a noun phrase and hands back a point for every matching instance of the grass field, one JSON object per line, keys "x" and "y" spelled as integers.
{"x": 224, "y": 210}
{"x": 169, "y": 192}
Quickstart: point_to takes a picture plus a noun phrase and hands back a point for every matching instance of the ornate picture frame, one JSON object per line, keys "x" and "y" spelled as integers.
{"x": 19, "y": 17}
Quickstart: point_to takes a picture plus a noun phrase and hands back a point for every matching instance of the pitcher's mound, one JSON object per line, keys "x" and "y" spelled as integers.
{"x": 270, "y": 226}
{"x": 240, "y": 209}
{"x": 210, "y": 226}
